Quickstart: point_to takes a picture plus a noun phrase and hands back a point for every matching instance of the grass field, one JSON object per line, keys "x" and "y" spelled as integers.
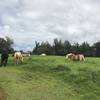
{"x": 50, "y": 78}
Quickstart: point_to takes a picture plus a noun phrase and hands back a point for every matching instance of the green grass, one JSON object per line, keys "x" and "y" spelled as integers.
{"x": 50, "y": 78}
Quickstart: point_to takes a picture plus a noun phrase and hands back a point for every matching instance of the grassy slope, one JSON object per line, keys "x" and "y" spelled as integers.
{"x": 50, "y": 78}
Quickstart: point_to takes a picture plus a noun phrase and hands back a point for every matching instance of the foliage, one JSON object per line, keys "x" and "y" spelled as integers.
{"x": 6, "y": 43}
{"x": 63, "y": 48}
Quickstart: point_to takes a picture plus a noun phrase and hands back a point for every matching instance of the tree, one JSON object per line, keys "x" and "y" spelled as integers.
{"x": 58, "y": 47}
{"x": 75, "y": 48}
{"x": 10, "y": 43}
{"x": 67, "y": 47}
{"x": 44, "y": 47}
{"x": 37, "y": 44}
{"x": 6, "y": 43}
{"x": 97, "y": 47}
{"x": 85, "y": 49}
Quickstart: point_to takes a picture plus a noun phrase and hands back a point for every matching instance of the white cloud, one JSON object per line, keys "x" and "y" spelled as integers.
{"x": 29, "y": 20}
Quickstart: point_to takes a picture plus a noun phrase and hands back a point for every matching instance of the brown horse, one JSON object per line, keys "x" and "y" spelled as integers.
{"x": 75, "y": 57}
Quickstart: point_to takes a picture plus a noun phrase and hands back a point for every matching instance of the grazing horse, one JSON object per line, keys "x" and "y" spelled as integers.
{"x": 75, "y": 57}
{"x": 81, "y": 57}
{"x": 18, "y": 58}
{"x": 69, "y": 56}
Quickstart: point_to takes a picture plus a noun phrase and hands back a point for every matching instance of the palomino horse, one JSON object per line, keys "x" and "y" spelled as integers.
{"x": 18, "y": 58}
{"x": 75, "y": 57}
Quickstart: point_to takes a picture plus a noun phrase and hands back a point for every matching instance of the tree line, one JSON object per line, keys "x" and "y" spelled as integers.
{"x": 62, "y": 48}
{"x": 58, "y": 47}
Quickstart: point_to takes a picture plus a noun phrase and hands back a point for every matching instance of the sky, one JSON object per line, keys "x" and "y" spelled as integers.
{"x": 27, "y": 21}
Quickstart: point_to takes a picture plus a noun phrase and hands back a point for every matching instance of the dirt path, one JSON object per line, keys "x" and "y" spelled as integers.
{"x": 3, "y": 94}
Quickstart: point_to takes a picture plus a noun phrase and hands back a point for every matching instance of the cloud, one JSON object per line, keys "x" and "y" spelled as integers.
{"x": 41, "y": 20}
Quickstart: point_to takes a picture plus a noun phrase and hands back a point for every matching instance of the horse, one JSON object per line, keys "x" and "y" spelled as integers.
{"x": 18, "y": 58}
{"x": 75, "y": 57}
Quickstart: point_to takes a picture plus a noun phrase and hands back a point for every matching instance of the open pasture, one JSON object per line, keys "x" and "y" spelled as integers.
{"x": 50, "y": 78}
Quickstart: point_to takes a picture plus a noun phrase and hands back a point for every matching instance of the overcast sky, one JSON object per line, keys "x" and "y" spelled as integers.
{"x": 26, "y": 21}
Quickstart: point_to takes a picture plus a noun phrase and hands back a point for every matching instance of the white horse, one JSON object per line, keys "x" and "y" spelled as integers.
{"x": 18, "y": 58}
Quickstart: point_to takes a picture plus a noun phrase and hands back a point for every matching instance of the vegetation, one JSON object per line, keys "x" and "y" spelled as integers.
{"x": 6, "y": 43}
{"x": 57, "y": 48}
{"x": 50, "y": 78}
{"x": 62, "y": 48}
